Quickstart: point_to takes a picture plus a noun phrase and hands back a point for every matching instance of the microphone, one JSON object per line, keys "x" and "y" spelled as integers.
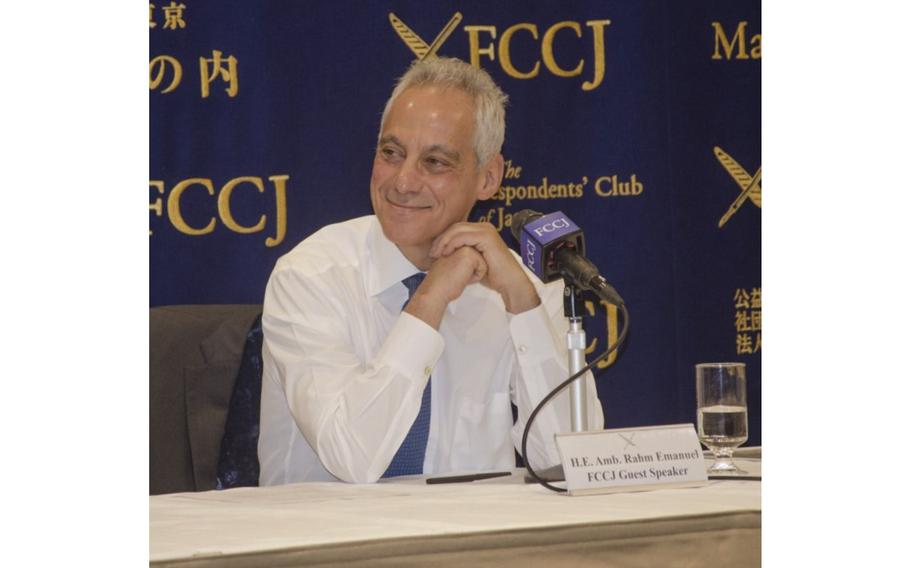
{"x": 553, "y": 247}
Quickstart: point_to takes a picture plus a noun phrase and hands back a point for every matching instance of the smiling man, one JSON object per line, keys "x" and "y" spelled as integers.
{"x": 396, "y": 344}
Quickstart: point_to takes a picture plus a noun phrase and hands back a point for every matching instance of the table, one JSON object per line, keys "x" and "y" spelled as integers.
{"x": 496, "y": 522}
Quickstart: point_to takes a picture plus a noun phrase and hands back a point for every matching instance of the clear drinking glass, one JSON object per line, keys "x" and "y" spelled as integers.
{"x": 722, "y": 416}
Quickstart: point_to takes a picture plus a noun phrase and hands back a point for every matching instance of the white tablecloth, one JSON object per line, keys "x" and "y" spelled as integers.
{"x": 410, "y": 523}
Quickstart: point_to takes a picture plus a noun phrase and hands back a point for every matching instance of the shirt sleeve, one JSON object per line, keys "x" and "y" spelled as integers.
{"x": 354, "y": 414}
{"x": 539, "y": 338}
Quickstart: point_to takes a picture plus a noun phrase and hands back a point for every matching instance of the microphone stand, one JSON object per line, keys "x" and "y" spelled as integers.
{"x": 575, "y": 341}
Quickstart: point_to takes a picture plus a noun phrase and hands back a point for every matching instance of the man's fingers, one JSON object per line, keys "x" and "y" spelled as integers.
{"x": 474, "y": 260}
{"x": 461, "y": 235}
{"x": 480, "y": 270}
{"x": 446, "y": 242}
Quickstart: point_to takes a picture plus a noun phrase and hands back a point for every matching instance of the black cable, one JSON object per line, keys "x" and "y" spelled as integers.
{"x": 558, "y": 389}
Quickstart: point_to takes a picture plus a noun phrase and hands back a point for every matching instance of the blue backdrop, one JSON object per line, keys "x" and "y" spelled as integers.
{"x": 640, "y": 120}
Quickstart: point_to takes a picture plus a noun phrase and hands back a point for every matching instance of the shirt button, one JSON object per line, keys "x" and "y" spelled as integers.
{"x": 427, "y": 371}
{"x": 522, "y": 349}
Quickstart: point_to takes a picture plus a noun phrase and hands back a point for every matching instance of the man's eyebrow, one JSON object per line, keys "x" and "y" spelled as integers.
{"x": 390, "y": 138}
{"x": 445, "y": 151}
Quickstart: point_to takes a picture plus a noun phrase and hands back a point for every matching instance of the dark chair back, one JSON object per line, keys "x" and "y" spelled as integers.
{"x": 194, "y": 358}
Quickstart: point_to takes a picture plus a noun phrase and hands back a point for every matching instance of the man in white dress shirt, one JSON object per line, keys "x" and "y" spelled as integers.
{"x": 354, "y": 385}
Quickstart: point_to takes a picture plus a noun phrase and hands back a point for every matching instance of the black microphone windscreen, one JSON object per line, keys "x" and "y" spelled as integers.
{"x": 522, "y": 218}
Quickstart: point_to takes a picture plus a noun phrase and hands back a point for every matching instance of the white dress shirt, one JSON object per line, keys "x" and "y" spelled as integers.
{"x": 345, "y": 368}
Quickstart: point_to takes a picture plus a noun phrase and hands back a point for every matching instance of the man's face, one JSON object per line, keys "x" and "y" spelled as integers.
{"x": 425, "y": 175}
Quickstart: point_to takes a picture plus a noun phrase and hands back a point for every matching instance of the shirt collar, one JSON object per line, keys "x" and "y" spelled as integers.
{"x": 390, "y": 266}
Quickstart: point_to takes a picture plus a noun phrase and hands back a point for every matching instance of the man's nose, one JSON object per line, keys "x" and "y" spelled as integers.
{"x": 408, "y": 178}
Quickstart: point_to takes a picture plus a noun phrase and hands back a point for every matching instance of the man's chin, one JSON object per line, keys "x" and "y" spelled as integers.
{"x": 403, "y": 236}
{"x": 409, "y": 241}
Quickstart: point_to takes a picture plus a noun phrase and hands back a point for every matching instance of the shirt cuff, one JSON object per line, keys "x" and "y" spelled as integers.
{"x": 412, "y": 347}
{"x": 533, "y": 335}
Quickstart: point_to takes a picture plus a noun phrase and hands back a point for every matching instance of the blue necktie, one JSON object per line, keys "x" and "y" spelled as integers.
{"x": 408, "y": 459}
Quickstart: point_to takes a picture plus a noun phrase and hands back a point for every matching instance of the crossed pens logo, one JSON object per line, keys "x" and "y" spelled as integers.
{"x": 749, "y": 184}
{"x": 629, "y": 441}
{"x": 416, "y": 44}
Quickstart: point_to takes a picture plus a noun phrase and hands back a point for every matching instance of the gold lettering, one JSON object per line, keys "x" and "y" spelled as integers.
{"x": 507, "y": 221}
{"x": 224, "y": 205}
{"x": 547, "y": 50}
{"x": 281, "y": 210}
{"x": 609, "y": 186}
{"x": 173, "y": 16}
{"x": 600, "y": 180}
{"x": 744, "y": 343}
{"x": 545, "y": 190}
{"x": 741, "y": 298}
{"x": 159, "y": 63}
{"x": 173, "y": 206}
{"x": 474, "y": 43}
{"x": 720, "y": 38}
{"x": 505, "y": 58}
{"x": 599, "y": 57}
{"x": 229, "y": 74}
{"x": 756, "y": 49}
{"x": 612, "y": 325}
{"x": 637, "y": 186}
{"x": 157, "y": 205}
{"x": 502, "y": 219}
{"x": 512, "y": 171}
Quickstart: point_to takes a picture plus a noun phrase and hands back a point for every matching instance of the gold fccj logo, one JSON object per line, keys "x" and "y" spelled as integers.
{"x": 481, "y": 46}
{"x": 420, "y": 48}
{"x": 749, "y": 185}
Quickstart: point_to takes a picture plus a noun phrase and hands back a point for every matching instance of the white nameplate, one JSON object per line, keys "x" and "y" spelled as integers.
{"x": 632, "y": 459}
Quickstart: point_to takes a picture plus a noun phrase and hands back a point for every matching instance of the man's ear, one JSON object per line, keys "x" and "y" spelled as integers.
{"x": 492, "y": 177}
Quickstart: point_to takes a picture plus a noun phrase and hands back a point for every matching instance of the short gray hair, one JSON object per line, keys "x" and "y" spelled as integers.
{"x": 489, "y": 100}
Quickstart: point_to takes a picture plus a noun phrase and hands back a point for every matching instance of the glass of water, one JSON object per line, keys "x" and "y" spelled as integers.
{"x": 722, "y": 416}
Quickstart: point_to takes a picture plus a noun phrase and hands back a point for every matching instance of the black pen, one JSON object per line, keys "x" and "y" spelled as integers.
{"x": 469, "y": 477}
{"x": 735, "y": 477}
